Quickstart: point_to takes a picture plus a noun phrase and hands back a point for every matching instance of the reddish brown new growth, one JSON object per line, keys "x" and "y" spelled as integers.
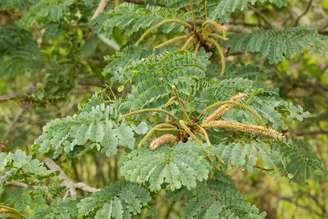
{"x": 256, "y": 129}
{"x": 162, "y": 140}
{"x": 223, "y": 108}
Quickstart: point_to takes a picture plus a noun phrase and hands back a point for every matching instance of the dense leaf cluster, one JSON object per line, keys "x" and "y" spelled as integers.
{"x": 166, "y": 121}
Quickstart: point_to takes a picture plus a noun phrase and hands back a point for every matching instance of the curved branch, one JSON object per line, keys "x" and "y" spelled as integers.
{"x": 166, "y": 21}
{"x": 154, "y": 129}
{"x": 12, "y": 96}
{"x": 307, "y": 9}
{"x": 170, "y": 41}
{"x": 205, "y": 135}
{"x": 155, "y": 110}
{"x": 186, "y": 45}
{"x": 187, "y": 129}
{"x": 68, "y": 182}
{"x": 217, "y": 26}
{"x": 221, "y": 53}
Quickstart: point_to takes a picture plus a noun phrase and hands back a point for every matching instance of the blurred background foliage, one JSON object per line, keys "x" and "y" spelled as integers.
{"x": 52, "y": 59}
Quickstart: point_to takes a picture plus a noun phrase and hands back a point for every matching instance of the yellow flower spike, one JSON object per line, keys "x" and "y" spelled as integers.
{"x": 162, "y": 140}
{"x": 154, "y": 129}
{"x": 256, "y": 129}
{"x": 223, "y": 108}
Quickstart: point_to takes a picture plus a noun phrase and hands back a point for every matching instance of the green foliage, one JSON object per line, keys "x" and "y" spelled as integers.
{"x": 248, "y": 155}
{"x": 224, "y": 8}
{"x": 277, "y": 44}
{"x": 154, "y": 125}
{"x": 19, "y": 51}
{"x": 302, "y": 163}
{"x": 129, "y": 19}
{"x": 119, "y": 200}
{"x": 120, "y": 62}
{"x": 60, "y": 208}
{"x": 219, "y": 199}
{"x": 19, "y": 165}
{"x": 96, "y": 128}
{"x": 46, "y": 11}
{"x": 33, "y": 203}
{"x": 182, "y": 165}
{"x": 15, "y": 4}
{"x": 154, "y": 77}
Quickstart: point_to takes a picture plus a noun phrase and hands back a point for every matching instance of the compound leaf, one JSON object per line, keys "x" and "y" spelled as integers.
{"x": 182, "y": 165}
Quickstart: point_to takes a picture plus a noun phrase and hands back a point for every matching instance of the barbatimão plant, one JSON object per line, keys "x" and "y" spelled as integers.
{"x": 176, "y": 117}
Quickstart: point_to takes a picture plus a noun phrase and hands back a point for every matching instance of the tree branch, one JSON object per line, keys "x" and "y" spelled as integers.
{"x": 18, "y": 184}
{"x": 307, "y": 133}
{"x": 262, "y": 16}
{"x": 307, "y": 9}
{"x": 140, "y": 2}
{"x": 13, "y": 123}
{"x": 68, "y": 182}
{"x": 91, "y": 82}
{"x": 294, "y": 202}
{"x": 12, "y": 96}
{"x": 100, "y": 8}
{"x": 86, "y": 188}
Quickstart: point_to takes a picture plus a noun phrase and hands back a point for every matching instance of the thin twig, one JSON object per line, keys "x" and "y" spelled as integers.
{"x": 151, "y": 110}
{"x": 100, "y": 8}
{"x": 13, "y": 96}
{"x": 140, "y": 2}
{"x": 294, "y": 202}
{"x": 307, "y": 133}
{"x": 86, "y": 188}
{"x": 263, "y": 16}
{"x": 18, "y": 184}
{"x": 68, "y": 183}
{"x": 13, "y": 123}
{"x": 307, "y": 9}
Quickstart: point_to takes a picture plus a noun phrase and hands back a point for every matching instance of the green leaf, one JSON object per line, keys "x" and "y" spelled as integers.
{"x": 125, "y": 136}
{"x": 249, "y": 154}
{"x": 224, "y": 8}
{"x": 14, "y": 4}
{"x": 105, "y": 212}
{"x": 19, "y": 165}
{"x": 142, "y": 128}
{"x": 132, "y": 18}
{"x": 182, "y": 165}
{"x": 94, "y": 127}
{"x": 301, "y": 162}
{"x": 118, "y": 200}
{"x": 20, "y": 53}
{"x": 277, "y": 44}
{"x": 154, "y": 77}
{"x": 46, "y": 11}
{"x": 219, "y": 199}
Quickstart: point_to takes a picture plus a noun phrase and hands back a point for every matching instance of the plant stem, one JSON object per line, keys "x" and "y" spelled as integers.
{"x": 155, "y": 110}
{"x": 170, "y": 41}
{"x": 220, "y": 51}
{"x": 192, "y": 135}
{"x": 166, "y": 21}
